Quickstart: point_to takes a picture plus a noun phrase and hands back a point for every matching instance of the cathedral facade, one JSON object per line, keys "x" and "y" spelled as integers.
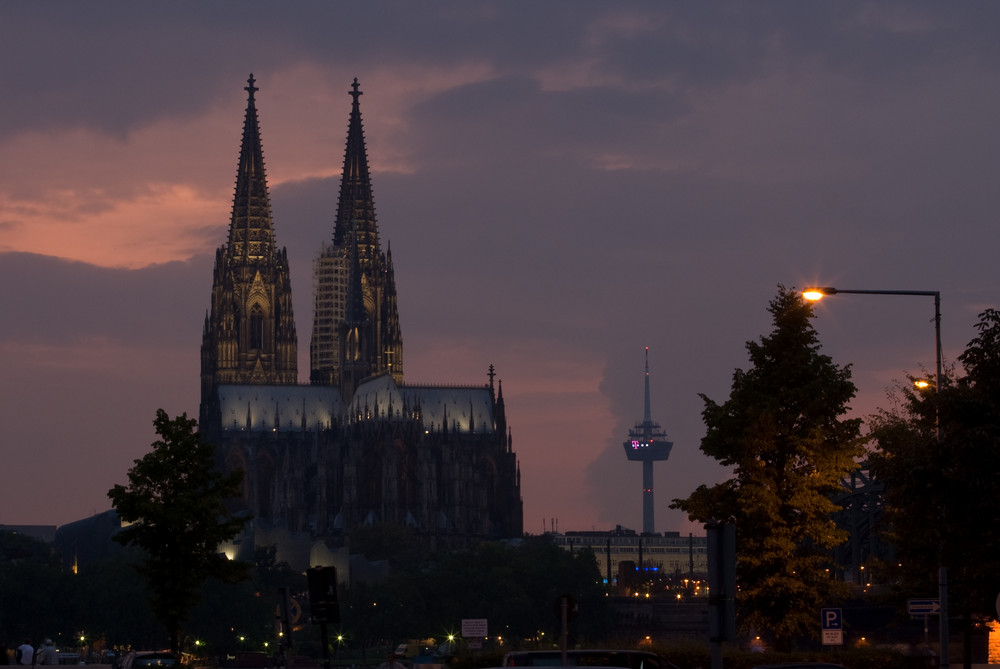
{"x": 357, "y": 446}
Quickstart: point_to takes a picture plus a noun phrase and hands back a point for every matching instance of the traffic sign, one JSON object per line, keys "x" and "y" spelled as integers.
{"x": 833, "y": 637}
{"x": 832, "y": 621}
{"x": 923, "y": 607}
{"x": 323, "y": 603}
{"x": 474, "y": 628}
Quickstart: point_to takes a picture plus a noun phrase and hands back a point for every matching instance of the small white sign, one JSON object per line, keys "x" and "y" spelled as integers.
{"x": 474, "y": 628}
{"x": 833, "y": 637}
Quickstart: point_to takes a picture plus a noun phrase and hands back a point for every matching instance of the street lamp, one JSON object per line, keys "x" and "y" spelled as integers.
{"x": 818, "y": 293}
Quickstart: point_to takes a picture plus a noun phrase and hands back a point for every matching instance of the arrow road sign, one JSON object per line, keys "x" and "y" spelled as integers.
{"x": 923, "y": 607}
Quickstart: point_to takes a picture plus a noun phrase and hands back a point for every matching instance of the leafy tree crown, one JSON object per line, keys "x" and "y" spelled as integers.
{"x": 174, "y": 508}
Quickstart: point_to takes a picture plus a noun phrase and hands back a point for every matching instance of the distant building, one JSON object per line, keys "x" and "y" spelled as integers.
{"x": 84, "y": 542}
{"x": 668, "y": 553}
{"x": 358, "y": 446}
{"x": 44, "y": 533}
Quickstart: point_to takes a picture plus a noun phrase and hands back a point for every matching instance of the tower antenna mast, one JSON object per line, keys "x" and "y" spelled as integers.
{"x": 647, "y": 443}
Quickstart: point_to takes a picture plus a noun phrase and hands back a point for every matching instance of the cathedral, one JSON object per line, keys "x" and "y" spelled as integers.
{"x": 357, "y": 446}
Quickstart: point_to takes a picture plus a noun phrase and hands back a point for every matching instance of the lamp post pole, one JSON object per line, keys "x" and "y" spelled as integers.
{"x": 814, "y": 294}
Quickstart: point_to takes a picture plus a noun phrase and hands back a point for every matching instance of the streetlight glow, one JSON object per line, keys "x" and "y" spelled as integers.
{"x": 813, "y": 293}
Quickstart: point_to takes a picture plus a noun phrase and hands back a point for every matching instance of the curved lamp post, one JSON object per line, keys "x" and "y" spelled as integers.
{"x": 817, "y": 293}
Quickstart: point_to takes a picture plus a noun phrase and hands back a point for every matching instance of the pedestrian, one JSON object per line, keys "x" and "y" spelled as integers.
{"x": 128, "y": 659}
{"x": 25, "y": 653}
{"x": 4, "y": 658}
{"x": 47, "y": 654}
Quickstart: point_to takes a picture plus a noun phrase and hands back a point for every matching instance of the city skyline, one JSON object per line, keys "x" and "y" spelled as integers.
{"x": 560, "y": 185}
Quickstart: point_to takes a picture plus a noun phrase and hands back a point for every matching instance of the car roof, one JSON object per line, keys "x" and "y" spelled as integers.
{"x": 596, "y": 657}
{"x": 801, "y": 665}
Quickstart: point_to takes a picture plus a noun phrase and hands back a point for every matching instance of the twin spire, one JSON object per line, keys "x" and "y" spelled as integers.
{"x": 251, "y": 230}
{"x": 355, "y": 312}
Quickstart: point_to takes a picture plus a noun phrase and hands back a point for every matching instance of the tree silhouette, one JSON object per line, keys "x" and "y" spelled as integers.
{"x": 782, "y": 431}
{"x": 174, "y": 509}
{"x": 941, "y": 492}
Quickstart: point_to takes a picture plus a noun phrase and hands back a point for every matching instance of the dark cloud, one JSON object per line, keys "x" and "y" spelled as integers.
{"x": 62, "y": 303}
{"x": 114, "y": 67}
{"x": 609, "y": 176}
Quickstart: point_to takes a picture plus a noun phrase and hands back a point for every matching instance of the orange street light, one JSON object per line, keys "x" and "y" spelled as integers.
{"x": 817, "y": 293}
{"x": 813, "y": 294}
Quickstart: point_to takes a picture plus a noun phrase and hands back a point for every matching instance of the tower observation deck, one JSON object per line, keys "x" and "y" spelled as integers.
{"x": 647, "y": 442}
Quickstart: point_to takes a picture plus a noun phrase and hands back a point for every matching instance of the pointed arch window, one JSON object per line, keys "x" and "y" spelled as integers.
{"x": 256, "y": 340}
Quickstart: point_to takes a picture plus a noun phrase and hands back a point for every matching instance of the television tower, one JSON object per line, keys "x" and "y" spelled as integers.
{"x": 646, "y": 443}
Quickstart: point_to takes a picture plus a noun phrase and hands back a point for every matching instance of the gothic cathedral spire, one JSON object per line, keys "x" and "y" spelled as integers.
{"x": 249, "y": 335}
{"x": 356, "y": 206}
{"x": 355, "y": 267}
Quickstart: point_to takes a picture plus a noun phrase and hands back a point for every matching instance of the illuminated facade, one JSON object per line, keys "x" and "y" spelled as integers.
{"x": 357, "y": 446}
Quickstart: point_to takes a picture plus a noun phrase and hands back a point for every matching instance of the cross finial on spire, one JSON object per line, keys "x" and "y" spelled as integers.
{"x": 250, "y": 88}
{"x": 355, "y": 92}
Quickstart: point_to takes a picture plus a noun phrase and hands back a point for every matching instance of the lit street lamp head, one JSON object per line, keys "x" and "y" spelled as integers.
{"x": 818, "y": 293}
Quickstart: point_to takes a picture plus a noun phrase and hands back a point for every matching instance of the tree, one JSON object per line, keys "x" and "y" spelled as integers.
{"x": 174, "y": 509}
{"x": 112, "y": 602}
{"x": 938, "y": 456}
{"x": 514, "y": 587}
{"x": 784, "y": 433}
{"x": 30, "y": 581}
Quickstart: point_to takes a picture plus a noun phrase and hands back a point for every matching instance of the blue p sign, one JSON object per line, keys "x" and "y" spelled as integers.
{"x": 832, "y": 619}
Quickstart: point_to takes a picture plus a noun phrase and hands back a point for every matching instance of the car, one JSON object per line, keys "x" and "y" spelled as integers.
{"x": 69, "y": 657}
{"x": 150, "y": 660}
{"x": 800, "y": 665}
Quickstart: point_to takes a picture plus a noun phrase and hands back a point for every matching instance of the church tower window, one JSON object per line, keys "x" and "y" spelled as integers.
{"x": 256, "y": 328}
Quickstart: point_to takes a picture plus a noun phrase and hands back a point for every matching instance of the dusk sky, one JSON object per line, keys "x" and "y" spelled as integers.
{"x": 562, "y": 184}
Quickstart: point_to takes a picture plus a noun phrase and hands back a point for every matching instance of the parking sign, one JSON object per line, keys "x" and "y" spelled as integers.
{"x": 833, "y": 627}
